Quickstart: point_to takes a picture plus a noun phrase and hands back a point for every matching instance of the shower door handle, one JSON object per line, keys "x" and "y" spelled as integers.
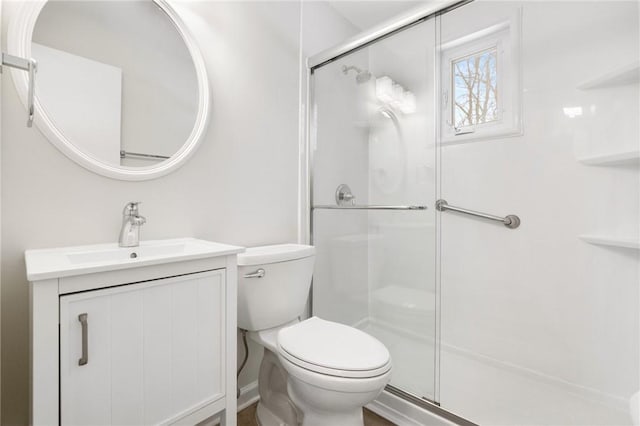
{"x": 511, "y": 221}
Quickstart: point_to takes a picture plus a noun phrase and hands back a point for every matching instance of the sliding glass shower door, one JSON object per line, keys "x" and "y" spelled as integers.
{"x": 374, "y": 188}
{"x": 475, "y": 204}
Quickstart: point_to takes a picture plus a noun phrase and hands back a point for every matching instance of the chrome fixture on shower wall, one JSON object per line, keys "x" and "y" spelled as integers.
{"x": 344, "y": 196}
{"x": 362, "y": 76}
{"x": 511, "y": 221}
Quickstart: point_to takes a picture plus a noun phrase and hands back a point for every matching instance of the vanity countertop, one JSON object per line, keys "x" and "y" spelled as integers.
{"x": 78, "y": 260}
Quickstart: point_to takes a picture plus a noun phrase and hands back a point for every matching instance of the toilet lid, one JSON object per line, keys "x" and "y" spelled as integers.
{"x": 334, "y": 349}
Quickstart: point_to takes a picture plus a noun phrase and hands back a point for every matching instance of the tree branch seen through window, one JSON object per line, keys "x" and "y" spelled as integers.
{"x": 475, "y": 89}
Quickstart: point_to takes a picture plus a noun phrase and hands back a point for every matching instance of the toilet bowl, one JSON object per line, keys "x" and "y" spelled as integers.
{"x": 314, "y": 372}
{"x": 334, "y": 370}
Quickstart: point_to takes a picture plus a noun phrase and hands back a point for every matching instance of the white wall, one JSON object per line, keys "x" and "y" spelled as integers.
{"x": 224, "y": 193}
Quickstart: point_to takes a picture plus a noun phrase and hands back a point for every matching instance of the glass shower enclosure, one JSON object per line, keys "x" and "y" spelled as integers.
{"x": 374, "y": 188}
{"x": 474, "y": 203}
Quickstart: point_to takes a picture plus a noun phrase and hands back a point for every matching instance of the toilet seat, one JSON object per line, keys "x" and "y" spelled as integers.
{"x": 333, "y": 349}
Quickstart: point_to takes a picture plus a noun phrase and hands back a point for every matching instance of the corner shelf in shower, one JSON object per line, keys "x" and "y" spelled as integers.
{"x": 624, "y": 242}
{"x": 624, "y": 158}
{"x": 628, "y": 74}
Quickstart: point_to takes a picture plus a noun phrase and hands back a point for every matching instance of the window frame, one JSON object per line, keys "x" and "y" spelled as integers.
{"x": 504, "y": 37}
{"x": 499, "y": 84}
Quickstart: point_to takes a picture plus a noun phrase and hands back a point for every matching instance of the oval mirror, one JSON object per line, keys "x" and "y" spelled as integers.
{"x": 121, "y": 87}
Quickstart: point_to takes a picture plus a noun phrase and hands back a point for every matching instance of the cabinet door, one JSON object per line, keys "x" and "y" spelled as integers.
{"x": 154, "y": 351}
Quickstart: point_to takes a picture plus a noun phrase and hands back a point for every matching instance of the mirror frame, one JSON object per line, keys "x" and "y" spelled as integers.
{"x": 19, "y": 38}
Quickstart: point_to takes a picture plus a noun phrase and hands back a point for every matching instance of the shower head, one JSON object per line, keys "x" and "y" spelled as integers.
{"x": 362, "y": 76}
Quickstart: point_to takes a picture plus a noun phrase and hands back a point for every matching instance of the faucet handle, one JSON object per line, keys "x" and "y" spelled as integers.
{"x": 139, "y": 220}
{"x": 131, "y": 208}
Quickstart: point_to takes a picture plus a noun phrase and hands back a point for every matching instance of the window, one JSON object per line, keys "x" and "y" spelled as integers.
{"x": 480, "y": 84}
{"x": 475, "y": 89}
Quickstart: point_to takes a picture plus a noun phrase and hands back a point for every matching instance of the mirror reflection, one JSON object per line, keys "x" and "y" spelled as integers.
{"x": 116, "y": 78}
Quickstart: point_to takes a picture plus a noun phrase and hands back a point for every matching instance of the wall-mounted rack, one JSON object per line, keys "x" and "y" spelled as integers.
{"x": 367, "y": 207}
{"x": 30, "y": 66}
{"x": 127, "y": 154}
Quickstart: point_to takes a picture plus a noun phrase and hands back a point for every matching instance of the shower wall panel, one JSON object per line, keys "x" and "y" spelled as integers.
{"x": 538, "y": 325}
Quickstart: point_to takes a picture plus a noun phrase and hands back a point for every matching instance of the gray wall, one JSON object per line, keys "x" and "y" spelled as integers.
{"x": 240, "y": 187}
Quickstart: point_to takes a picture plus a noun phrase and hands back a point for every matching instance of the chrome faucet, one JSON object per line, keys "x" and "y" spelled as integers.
{"x": 131, "y": 223}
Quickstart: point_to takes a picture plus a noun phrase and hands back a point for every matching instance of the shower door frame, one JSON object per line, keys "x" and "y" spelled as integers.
{"x": 307, "y": 140}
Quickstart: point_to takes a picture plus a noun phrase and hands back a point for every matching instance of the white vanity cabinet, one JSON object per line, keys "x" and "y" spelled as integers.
{"x": 152, "y": 351}
{"x": 143, "y": 341}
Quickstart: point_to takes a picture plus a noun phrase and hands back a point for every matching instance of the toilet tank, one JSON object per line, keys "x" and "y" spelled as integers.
{"x": 273, "y": 284}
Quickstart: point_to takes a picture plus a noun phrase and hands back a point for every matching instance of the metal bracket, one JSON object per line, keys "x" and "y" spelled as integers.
{"x": 30, "y": 66}
{"x": 344, "y": 196}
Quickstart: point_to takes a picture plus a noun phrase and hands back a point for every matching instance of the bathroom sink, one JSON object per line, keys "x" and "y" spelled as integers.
{"x": 68, "y": 261}
{"x": 120, "y": 254}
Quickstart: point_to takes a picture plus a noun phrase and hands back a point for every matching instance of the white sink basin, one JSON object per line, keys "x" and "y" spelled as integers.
{"x": 120, "y": 254}
{"x": 68, "y": 261}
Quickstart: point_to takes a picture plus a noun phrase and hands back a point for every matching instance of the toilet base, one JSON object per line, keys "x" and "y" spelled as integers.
{"x": 264, "y": 417}
{"x": 312, "y": 417}
{"x": 275, "y": 407}
{"x": 324, "y": 419}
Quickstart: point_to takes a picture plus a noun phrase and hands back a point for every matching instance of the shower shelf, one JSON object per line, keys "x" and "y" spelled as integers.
{"x": 628, "y": 74}
{"x": 625, "y": 242}
{"x": 622, "y": 158}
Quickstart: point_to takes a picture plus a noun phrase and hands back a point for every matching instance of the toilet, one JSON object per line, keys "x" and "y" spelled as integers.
{"x": 314, "y": 372}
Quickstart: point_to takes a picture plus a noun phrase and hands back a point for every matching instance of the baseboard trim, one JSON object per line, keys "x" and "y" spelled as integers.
{"x": 248, "y": 395}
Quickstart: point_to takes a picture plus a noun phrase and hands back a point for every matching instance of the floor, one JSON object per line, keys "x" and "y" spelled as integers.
{"x": 247, "y": 417}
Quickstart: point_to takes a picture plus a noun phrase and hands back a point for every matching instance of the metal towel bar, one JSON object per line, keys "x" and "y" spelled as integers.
{"x": 510, "y": 221}
{"x": 125, "y": 154}
{"x": 30, "y": 66}
{"x": 371, "y": 207}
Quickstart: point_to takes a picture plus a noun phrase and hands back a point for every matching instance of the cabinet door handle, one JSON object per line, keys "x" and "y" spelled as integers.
{"x": 85, "y": 339}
